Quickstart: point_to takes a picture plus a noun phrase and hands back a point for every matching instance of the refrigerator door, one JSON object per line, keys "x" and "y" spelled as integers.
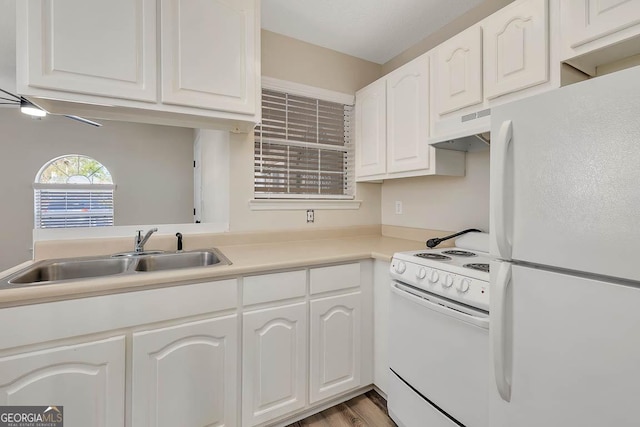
{"x": 565, "y": 177}
{"x": 571, "y": 350}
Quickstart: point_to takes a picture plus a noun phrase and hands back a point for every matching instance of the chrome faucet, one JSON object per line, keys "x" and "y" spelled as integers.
{"x": 139, "y": 241}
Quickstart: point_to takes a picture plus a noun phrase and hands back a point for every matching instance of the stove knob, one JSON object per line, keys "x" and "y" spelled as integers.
{"x": 434, "y": 276}
{"x": 463, "y": 286}
{"x": 421, "y": 273}
{"x": 448, "y": 281}
{"x": 400, "y": 267}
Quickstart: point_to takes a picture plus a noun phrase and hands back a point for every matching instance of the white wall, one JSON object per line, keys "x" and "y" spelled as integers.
{"x": 439, "y": 202}
{"x": 152, "y": 167}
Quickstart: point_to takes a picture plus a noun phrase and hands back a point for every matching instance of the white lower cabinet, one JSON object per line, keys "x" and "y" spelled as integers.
{"x": 274, "y": 368}
{"x": 335, "y": 345}
{"x": 186, "y": 375}
{"x": 87, "y": 379}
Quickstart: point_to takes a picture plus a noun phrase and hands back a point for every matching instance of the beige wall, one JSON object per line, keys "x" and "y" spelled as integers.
{"x": 466, "y": 20}
{"x": 152, "y": 167}
{"x": 441, "y": 203}
{"x": 299, "y": 62}
{"x": 293, "y": 60}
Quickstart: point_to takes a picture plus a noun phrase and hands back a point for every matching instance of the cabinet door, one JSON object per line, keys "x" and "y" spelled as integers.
{"x": 516, "y": 48}
{"x": 371, "y": 130}
{"x": 186, "y": 375}
{"x": 209, "y": 54}
{"x": 408, "y": 117}
{"x": 587, "y": 20}
{"x": 86, "y": 379}
{"x": 458, "y": 79}
{"x": 104, "y": 48}
{"x": 274, "y": 374}
{"x": 335, "y": 345}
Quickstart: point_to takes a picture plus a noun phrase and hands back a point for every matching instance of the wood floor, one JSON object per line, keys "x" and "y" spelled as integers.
{"x": 367, "y": 410}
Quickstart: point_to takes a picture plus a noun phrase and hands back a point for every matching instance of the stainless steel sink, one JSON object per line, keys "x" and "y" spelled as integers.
{"x": 62, "y": 270}
{"x": 180, "y": 260}
{"x": 136, "y": 254}
{"x": 72, "y": 269}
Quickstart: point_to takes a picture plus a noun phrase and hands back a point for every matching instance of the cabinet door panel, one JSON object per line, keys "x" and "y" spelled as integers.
{"x": 458, "y": 82}
{"x": 86, "y": 379}
{"x": 93, "y": 47}
{"x": 371, "y": 129}
{"x": 208, "y": 54}
{"x": 335, "y": 345}
{"x": 408, "y": 117}
{"x": 186, "y": 375}
{"x": 274, "y": 362}
{"x": 588, "y": 20}
{"x": 516, "y": 51}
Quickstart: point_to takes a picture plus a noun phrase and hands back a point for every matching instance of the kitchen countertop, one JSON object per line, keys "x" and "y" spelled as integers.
{"x": 246, "y": 259}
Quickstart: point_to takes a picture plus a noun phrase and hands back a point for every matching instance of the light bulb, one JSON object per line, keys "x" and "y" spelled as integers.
{"x": 30, "y": 109}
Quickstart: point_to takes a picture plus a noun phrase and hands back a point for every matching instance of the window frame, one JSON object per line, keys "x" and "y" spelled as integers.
{"x": 40, "y": 187}
{"x": 265, "y": 201}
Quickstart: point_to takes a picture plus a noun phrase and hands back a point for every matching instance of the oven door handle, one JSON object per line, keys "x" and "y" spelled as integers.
{"x": 482, "y": 322}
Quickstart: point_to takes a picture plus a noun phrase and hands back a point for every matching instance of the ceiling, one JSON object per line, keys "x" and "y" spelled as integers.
{"x": 375, "y": 30}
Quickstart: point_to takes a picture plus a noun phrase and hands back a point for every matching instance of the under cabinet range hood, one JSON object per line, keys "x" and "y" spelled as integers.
{"x": 469, "y": 132}
{"x": 475, "y": 142}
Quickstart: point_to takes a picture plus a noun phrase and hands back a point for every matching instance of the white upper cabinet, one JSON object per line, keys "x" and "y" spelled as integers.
{"x": 458, "y": 71}
{"x": 186, "y": 374}
{"x": 408, "y": 117}
{"x": 516, "y": 47}
{"x": 189, "y": 63}
{"x": 207, "y": 54}
{"x": 87, "y": 379}
{"x": 371, "y": 130}
{"x": 588, "y": 20}
{"x": 104, "y": 48}
{"x": 595, "y": 33}
{"x": 392, "y": 128}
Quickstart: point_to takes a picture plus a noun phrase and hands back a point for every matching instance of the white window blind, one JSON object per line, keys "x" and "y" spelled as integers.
{"x": 66, "y": 208}
{"x": 303, "y": 148}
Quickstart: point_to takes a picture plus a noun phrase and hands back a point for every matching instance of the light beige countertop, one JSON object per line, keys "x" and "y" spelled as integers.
{"x": 247, "y": 259}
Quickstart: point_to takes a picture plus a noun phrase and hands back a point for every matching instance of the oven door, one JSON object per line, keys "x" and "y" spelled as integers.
{"x": 439, "y": 358}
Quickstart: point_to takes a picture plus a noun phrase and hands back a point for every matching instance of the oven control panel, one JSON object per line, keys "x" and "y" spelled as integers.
{"x": 458, "y": 287}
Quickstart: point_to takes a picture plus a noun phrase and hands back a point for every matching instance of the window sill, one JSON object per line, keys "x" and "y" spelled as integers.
{"x": 303, "y": 204}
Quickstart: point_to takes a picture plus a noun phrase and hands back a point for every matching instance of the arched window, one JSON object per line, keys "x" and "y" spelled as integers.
{"x": 73, "y": 191}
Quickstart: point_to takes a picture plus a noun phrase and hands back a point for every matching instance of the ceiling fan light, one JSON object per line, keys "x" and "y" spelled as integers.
{"x": 28, "y": 108}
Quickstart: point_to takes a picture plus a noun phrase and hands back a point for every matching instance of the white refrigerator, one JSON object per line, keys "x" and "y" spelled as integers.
{"x": 565, "y": 234}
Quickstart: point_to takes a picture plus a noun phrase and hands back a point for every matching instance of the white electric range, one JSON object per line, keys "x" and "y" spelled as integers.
{"x": 439, "y": 336}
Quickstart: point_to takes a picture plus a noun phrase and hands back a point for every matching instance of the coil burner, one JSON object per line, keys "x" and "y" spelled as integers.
{"x": 457, "y": 252}
{"x": 479, "y": 267}
{"x": 438, "y": 257}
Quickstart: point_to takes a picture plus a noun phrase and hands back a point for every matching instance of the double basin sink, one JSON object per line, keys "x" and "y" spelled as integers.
{"x": 60, "y": 270}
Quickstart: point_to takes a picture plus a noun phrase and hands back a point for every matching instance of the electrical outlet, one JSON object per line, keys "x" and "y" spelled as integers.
{"x": 310, "y": 215}
{"x": 398, "y": 207}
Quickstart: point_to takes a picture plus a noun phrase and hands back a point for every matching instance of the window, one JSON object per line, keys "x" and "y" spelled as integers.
{"x": 303, "y": 148}
{"x": 73, "y": 191}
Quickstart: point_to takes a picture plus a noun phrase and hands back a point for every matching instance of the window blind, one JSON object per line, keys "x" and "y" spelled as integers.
{"x": 65, "y": 208}
{"x": 303, "y": 148}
